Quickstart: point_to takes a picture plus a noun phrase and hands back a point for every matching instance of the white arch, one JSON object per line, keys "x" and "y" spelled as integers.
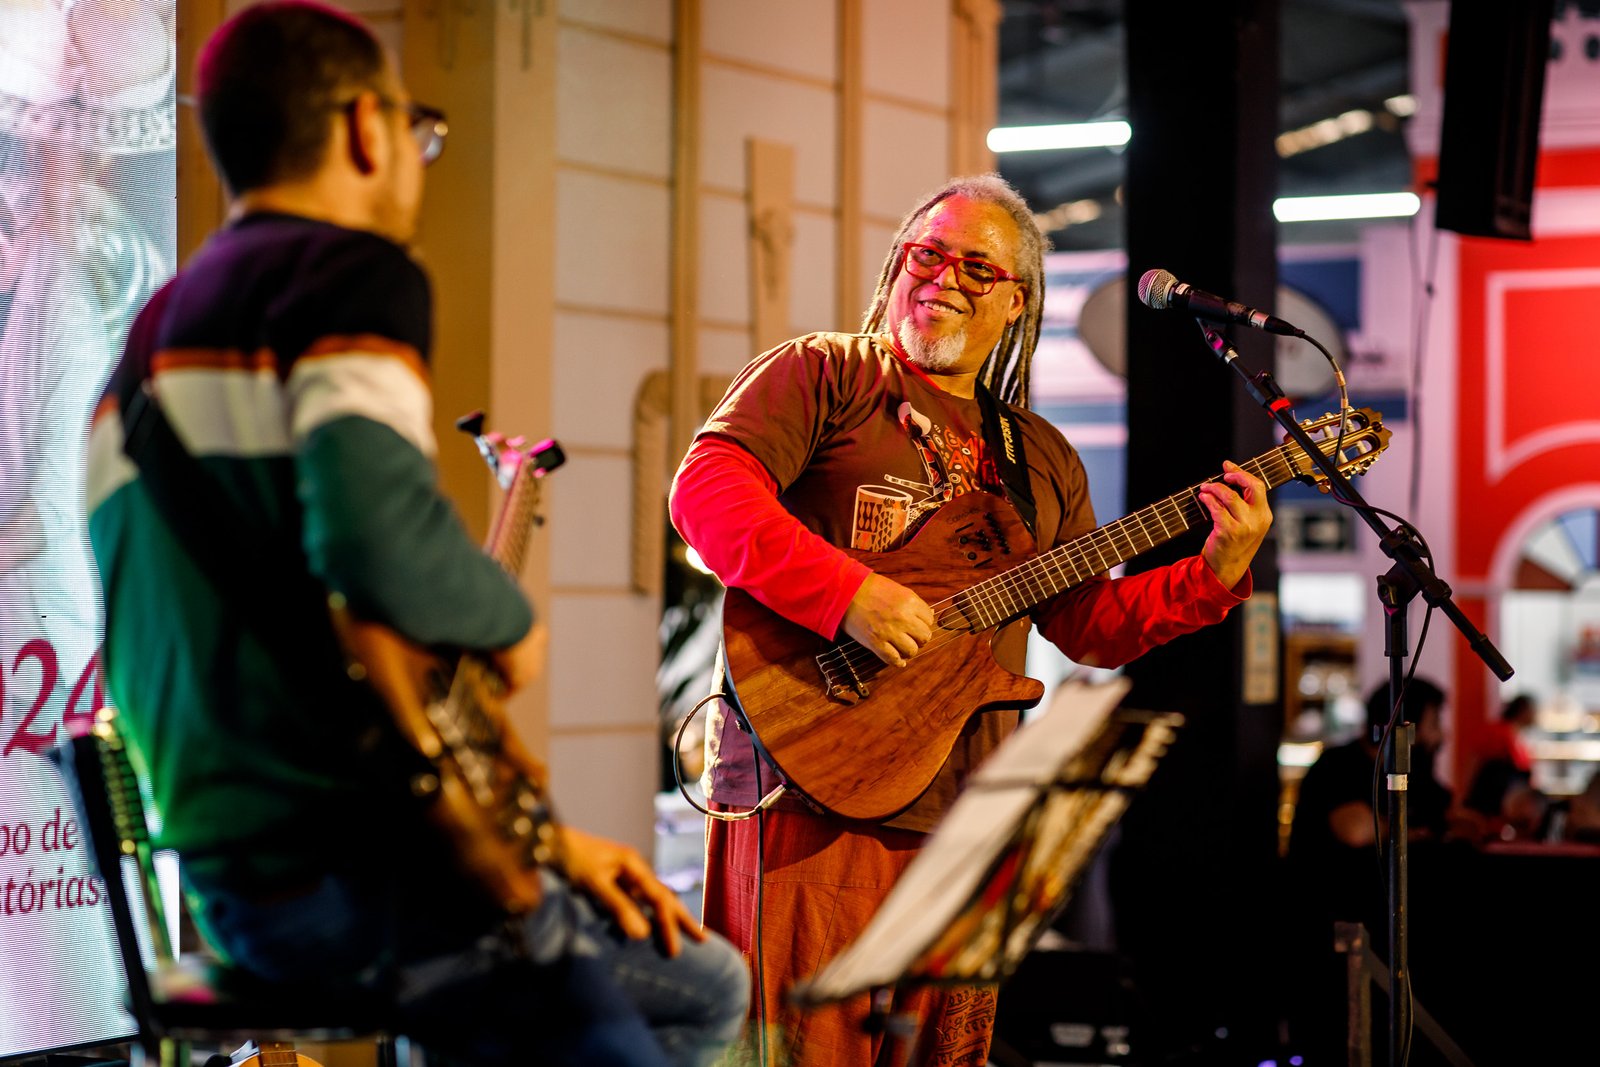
{"x": 1508, "y": 550}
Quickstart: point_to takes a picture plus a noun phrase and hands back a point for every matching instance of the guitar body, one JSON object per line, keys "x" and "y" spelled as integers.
{"x": 899, "y": 734}
{"x": 486, "y": 803}
{"x": 488, "y": 793}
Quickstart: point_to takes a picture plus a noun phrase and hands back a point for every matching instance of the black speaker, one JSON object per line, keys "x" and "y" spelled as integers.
{"x": 1495, "y": 59}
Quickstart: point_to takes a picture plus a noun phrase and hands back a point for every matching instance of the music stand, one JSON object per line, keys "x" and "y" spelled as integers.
{"x": 1004, "y": 860}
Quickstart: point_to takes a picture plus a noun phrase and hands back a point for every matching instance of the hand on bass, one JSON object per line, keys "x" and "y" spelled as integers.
{"x": 523, "y": 662}
{"x": 622, "y": 883}
{"x": 889, "y": 619}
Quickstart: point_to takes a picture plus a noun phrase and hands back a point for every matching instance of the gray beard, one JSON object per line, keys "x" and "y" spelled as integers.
{"x": 938, "y": 356}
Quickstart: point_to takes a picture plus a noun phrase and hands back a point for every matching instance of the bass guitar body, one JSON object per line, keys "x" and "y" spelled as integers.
{"x": 490, "y": 805}
{"x": 808, "y": 700}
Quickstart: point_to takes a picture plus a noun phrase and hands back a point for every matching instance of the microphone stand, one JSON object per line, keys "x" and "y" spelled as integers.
{"x": 1396, "y": 589}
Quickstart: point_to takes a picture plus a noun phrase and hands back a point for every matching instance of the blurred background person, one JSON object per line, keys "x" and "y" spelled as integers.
{"x": 1335, "y": 870}
{"x": 1501, "y": 786}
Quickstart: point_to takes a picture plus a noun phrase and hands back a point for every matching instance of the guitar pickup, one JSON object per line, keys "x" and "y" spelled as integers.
{"x": 840, "y": 680}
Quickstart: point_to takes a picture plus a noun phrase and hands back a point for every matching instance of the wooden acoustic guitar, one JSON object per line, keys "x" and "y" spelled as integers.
{"x": 485, "y": 789}
{"x": 864, "y": 741}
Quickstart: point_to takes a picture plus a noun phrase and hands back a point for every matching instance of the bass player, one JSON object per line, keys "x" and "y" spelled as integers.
{"x": 289, "y": 361}
{"x": 848, "y": 440}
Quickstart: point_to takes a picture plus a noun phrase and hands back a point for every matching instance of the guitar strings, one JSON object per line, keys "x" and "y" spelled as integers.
{"x": 990, "y": 595}
{"x": 986, "y": 596}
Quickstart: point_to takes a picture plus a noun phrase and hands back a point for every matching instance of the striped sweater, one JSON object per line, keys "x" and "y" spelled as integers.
{"x": 291, "y": 358}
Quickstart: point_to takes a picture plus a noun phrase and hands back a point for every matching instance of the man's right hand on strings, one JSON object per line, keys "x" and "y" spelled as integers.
{"x": 889, "y": 619}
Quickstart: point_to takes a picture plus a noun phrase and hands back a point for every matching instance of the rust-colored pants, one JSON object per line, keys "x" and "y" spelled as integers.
{"x": 824, "y": 881}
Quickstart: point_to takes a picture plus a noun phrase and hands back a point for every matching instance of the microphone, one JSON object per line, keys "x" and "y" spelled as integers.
{"x": 1159, "y": 289}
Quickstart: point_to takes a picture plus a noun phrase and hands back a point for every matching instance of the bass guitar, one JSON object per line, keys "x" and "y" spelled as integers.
{"x": 863, "y": 741}
{"x": 488, "y": 792}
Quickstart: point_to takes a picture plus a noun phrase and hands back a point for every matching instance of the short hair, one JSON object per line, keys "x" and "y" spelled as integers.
{"x": 1007, "y": 370}
{"x": 266, "y": 81}
{"x": 1418, "y": 694}
{"x": 1517, "y": 707}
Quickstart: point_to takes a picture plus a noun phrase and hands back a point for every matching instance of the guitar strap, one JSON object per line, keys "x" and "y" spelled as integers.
{"x": 1002, "y": 434}
{"x": 1002, "y": 437}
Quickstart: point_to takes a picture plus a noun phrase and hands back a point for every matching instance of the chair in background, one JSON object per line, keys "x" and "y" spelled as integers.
{"x": 185, "y": 1002}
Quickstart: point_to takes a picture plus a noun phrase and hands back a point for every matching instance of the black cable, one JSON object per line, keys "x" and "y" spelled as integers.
{"x": 761, "y": 885}
{"x": 760, "y": 814}
{"x": 1408, "y": 1011}
{"x": 1344, "y": 393}
{"x": 1423, "y": 290}
{"x": 677, "y": 760}
{"x": 677, "y": 770}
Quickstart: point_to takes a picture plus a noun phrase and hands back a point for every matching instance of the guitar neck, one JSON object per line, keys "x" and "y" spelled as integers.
{"x": 475, "y": 690}
{"x": 1013, "y": 592}
{"x": 513, "y": 525}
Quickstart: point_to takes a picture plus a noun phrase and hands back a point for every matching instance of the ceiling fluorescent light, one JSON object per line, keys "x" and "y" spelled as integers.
{"x": 1356, "y": 206}
{"x": 1068, "y": 135}
{"x": 1326, "y": 132}
{"x": 1402, "y": 106}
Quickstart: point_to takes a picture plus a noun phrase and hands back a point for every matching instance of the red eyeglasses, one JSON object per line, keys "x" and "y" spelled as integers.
{"x": 974, "y": 276}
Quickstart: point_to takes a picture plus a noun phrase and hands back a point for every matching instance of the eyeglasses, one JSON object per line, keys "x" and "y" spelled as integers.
{"x": 427, "y": 125}
{"x": 428, "y": 129}
{"x": 975, "y": 277}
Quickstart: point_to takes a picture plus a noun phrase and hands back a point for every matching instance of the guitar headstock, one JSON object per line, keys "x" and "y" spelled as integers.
{"x": 508, "y": 455}
{"x": 1365, "y": 438}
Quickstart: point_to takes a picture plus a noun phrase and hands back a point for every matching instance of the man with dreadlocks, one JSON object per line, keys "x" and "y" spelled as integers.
{"x": 849, "y": 440}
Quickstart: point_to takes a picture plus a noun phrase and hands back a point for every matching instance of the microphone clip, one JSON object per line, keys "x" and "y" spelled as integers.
{"x": 1261, "y": 385}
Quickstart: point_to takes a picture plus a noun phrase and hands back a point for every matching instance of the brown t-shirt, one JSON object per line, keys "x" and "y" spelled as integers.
{"x": 863, "y": 449}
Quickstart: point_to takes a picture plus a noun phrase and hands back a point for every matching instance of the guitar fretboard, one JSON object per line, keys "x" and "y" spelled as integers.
{"x": 1010, "y": 593}
{"x": 508, "y": 541}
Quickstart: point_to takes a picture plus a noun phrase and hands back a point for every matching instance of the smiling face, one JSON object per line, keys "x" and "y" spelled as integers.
{"x": 943, "y": 329}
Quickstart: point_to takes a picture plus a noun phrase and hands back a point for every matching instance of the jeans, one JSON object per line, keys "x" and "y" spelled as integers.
{"x": 559, "y": 986}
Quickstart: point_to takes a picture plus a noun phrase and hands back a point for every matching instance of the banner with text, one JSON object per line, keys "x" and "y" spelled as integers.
{"x": 87, "y": 232}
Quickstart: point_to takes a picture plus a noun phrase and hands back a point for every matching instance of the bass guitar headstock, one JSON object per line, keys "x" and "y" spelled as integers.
{"x": 1365, "y": 438}
{"x": 508, "y": 455}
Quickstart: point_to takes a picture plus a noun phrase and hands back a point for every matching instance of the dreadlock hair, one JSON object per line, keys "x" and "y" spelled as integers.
{"x": 1006, "y": 371}
{"x": 267, "y": 79}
